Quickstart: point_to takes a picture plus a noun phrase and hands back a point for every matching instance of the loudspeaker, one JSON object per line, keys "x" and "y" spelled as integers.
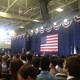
{"x": 44, "y": 10}
{"x": 28, "y": 45}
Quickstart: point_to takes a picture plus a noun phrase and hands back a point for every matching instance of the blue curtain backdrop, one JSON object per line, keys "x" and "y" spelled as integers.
{"x": 18, "y": 43}
{"x": 67, "y": 39}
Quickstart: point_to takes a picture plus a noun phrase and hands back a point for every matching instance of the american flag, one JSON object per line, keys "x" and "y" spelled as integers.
{"x": 49, "y": 43}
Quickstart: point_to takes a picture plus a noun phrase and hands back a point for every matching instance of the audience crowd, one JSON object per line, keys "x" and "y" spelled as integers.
{"x": 27, "y": 66}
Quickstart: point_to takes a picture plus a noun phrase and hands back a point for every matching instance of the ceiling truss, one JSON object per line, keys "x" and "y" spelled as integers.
{"x": 32, "y": 12}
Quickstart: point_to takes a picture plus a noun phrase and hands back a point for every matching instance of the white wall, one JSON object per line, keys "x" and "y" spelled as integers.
{"x": 5, "y": 43}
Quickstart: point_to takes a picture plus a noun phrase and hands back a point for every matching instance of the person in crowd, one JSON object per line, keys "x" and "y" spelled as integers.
{"x": 29, "y": 59}
{"x": 23, "y": 58}
{"x": 44, "y": 74}
{"x": 39, "y": 55}
{"x": 28, "y": 52}
{"x": 34, "y": 54}
{"x": 71, "y": 67}
{"x": 52, "y": 66}
{"x": 27, "y": 73}
{"x": 0, "y": 59}
{"x": 8, "y": 76}
{"x": 59, "y": 65}
{"x": 60, "y": 75}
{"x": 15, "y": 65}
{"x": 77, "y": 55}
{"x": 1, "y": 76}
{"x": 17, "y": 56}
{"x": 36, "y": 64}
{"x": 4, "y": 65}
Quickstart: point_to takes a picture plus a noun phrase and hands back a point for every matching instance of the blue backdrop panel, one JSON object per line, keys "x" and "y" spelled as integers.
{"x": 18, "y": 43}
{"x": 67, "y": 39}
{"x": 64, "y": 41}
{"x": 76, "y": 35}
{"x": 32, "y": 49}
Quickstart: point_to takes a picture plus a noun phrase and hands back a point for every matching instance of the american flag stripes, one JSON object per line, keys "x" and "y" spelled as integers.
{"x": 49, "y": 43}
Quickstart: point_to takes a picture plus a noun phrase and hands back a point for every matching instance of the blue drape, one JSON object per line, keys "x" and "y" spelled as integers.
{"x": 18, "y": 44}
{"x": 76, "y": 35}
{"x": 67, "y": 39}
{"x": 64, "y": 41}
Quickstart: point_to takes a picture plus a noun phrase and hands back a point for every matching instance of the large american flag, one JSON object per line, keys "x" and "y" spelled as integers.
{"x": 49, "y": 43}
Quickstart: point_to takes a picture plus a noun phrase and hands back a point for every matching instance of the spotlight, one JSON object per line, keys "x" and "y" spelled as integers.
{"x": 59, "y": 9}
{"x": 36, "y": 29}
{"x": 42, "y": 27}
{"x": 3, "y": 33}
{"x": 54, "y": 23}
{"x": 12, "y": 33}
{"x": 65, "y": 20}
{"x": 31, "y": 30}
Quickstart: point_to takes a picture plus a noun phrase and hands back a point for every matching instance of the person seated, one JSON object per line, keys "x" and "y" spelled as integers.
{"x": 15, "y": 65}
{"x": 44, "y": 74}
{"x": 71, "y": 67}
{"x": 52, "y": 66}
{"x": 27, "y": 73}
{"x": 36, "y": 64}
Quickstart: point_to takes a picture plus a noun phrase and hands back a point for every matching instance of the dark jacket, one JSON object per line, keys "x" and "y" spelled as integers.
{"x": 75, "y": 79}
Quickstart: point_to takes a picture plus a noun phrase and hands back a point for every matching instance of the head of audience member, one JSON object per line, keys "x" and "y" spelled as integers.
{"x": 29, "y": 57}
{"x": 36, "y": 62}
{"x": 45, "y": 63}
{"x": 39, "y": 55}
{"x": 28, "y": 52}
{"x": 53, "y": 64}
{"x": 71, "y": 66}
{"x": 60, "y": 62}
{"x": 23, "y": 57}
{"x": 27, "y": 73}
{"x": 17, "y": 56}
{"x": 15, "y": 65}
{"x": 4, "y": 59}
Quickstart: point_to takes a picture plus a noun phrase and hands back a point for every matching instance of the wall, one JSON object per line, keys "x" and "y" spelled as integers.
{"x": 5, "y": 43}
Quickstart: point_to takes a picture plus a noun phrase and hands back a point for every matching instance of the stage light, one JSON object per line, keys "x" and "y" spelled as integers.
{"x": 42, "y": 27}
{"x": 31, "y": 30}
{"x": 54, "y": 23}
{"x": 65, "y": 20}
{"x": 36, "y": 20}
{"x": 12, "y": 33}
{"x": 36, "y": 29}
{"x": 3, "y": 33}
{"x": 2, "y": 13}
{"x": 21, "y": 26}
{"x": 59, "y": 9}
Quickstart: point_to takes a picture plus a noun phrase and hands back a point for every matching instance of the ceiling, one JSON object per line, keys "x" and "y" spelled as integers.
{"x": 21, "y": 13}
